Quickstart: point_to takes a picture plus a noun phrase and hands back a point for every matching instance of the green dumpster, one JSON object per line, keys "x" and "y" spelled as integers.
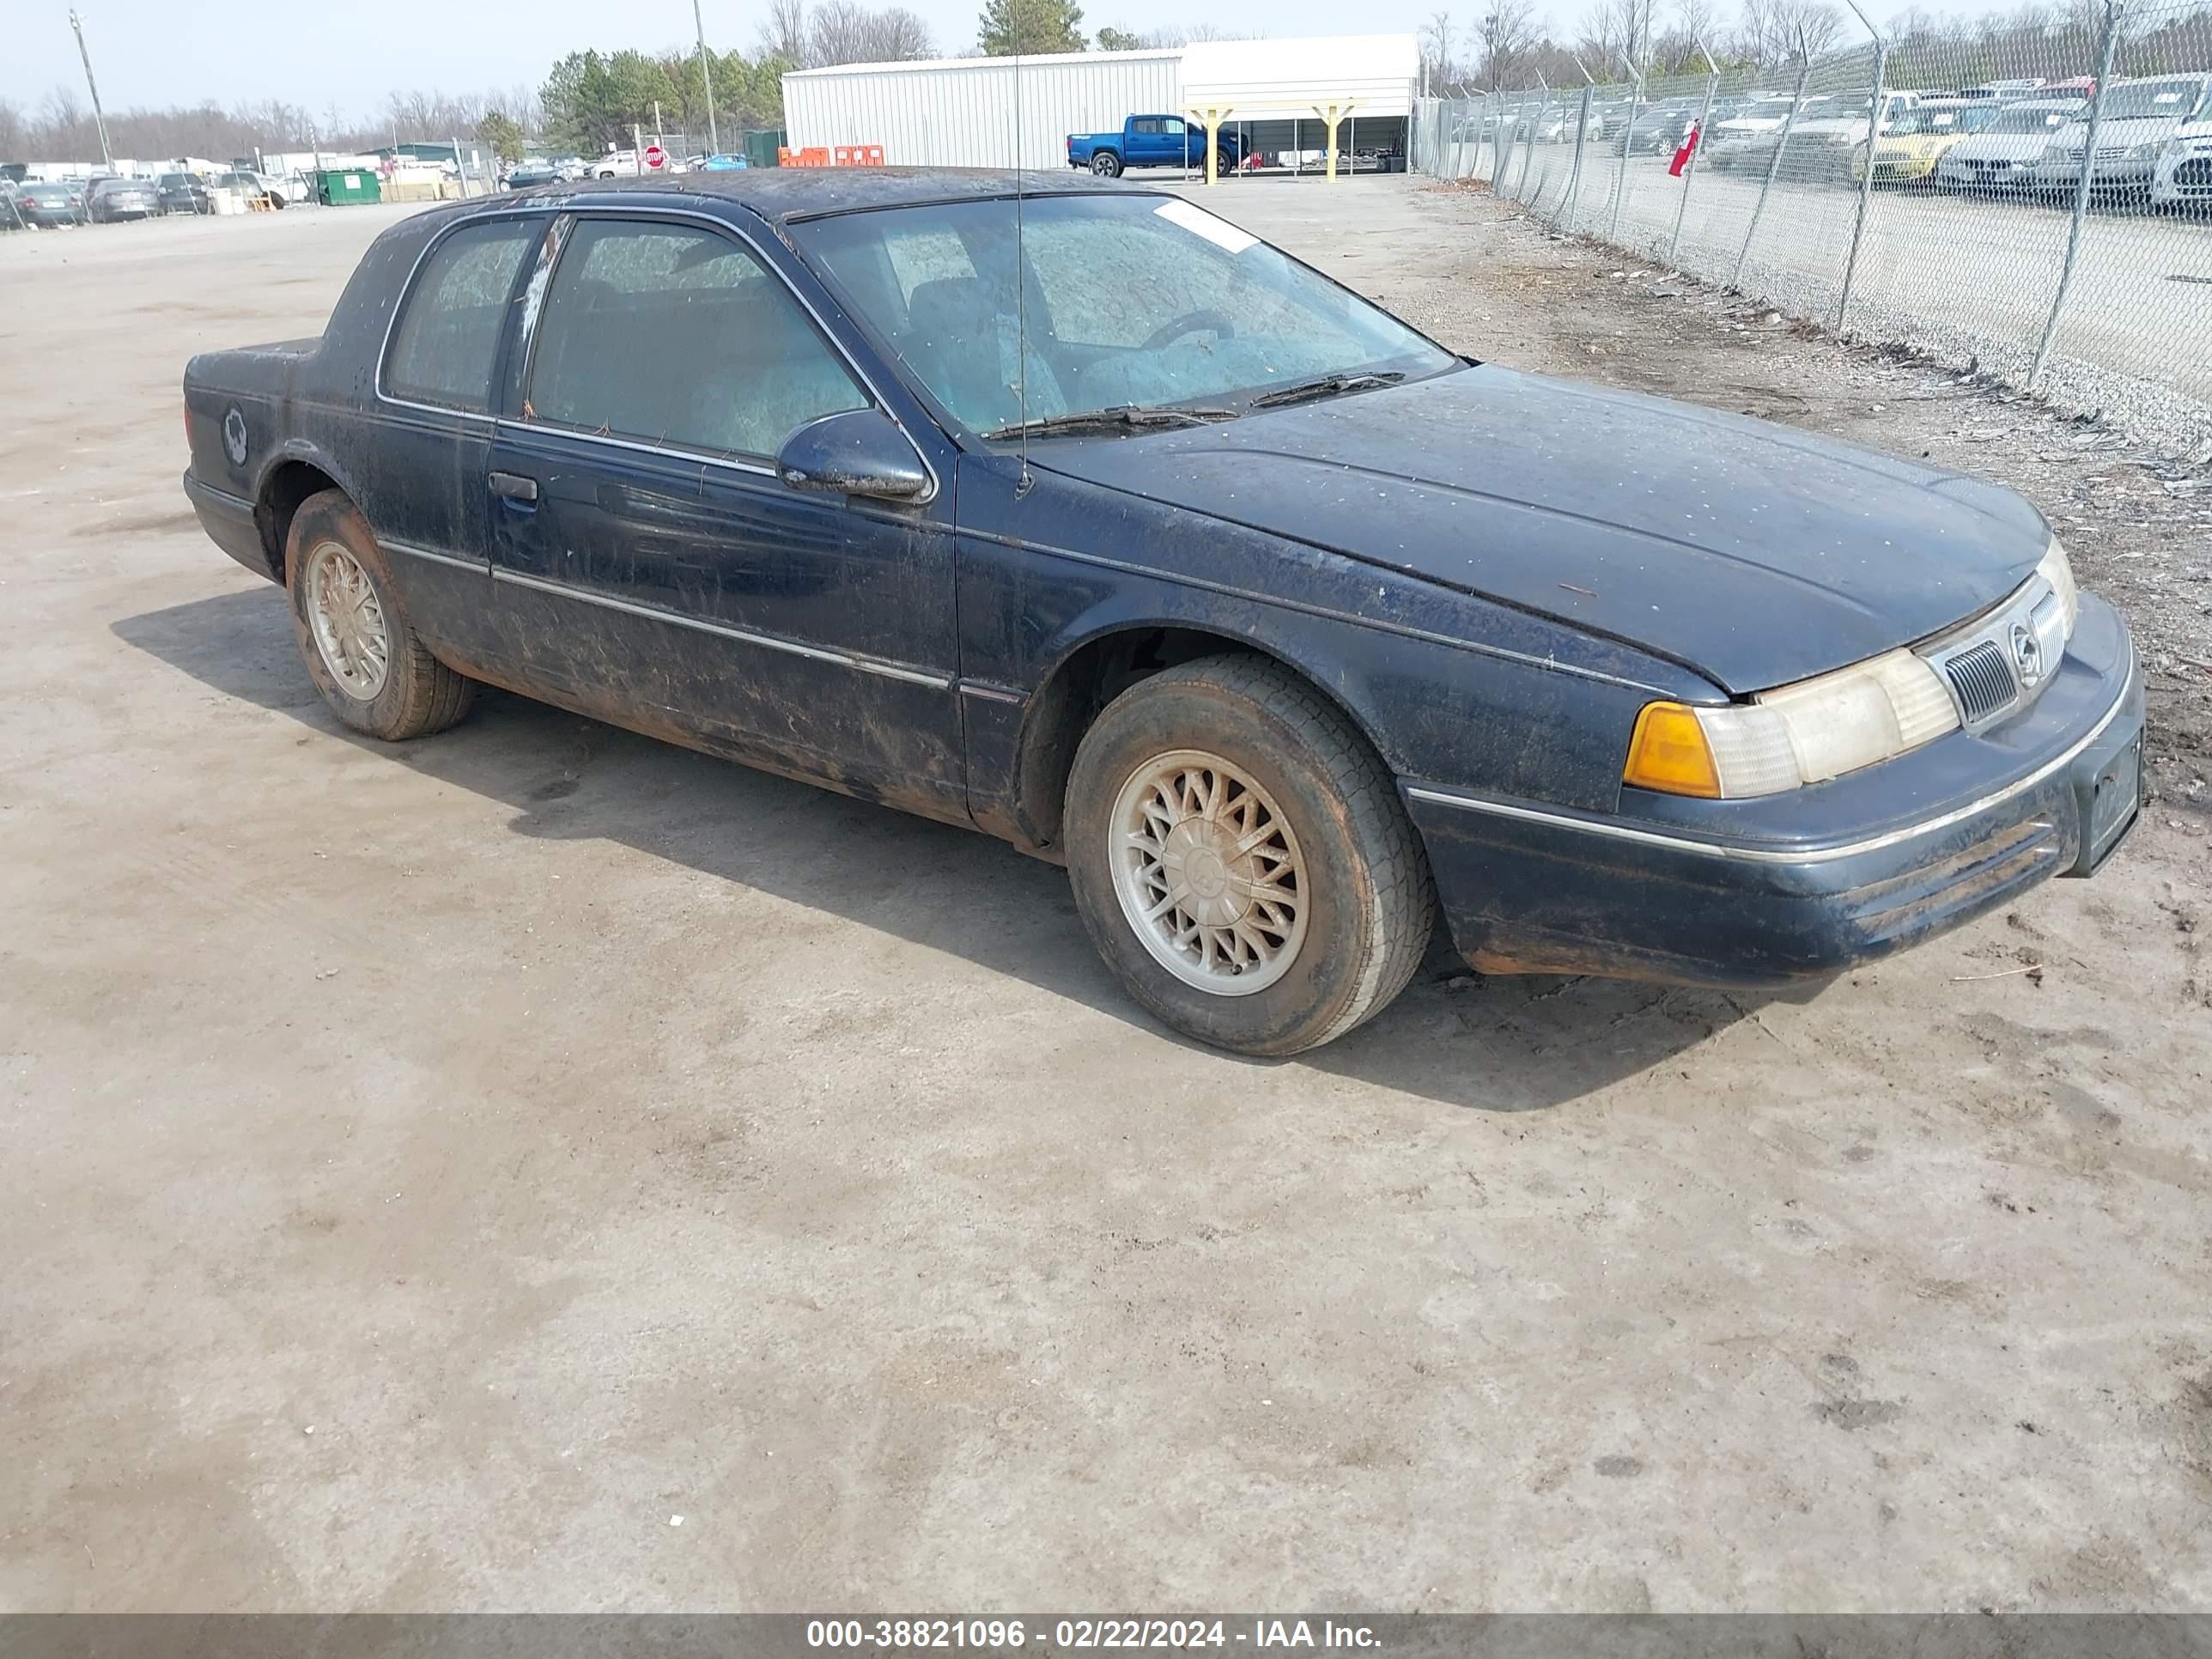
{"x": 761, "y": 144}
{"x": 343, "y": 186}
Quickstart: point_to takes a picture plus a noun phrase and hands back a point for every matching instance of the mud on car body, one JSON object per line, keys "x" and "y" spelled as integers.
{"x": 1156, "y": 554}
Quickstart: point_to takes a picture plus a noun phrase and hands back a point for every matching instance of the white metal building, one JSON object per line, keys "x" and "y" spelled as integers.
{"x": 961, "y": 112}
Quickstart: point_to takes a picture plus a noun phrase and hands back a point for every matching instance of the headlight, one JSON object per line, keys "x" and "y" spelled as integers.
{"x": 1803, "y": 733}
{"x": 2059, "y": 571}
{"x": 1822, "y": 727}
{"x": 2055, "y": 152}
{"x": 2144, "y": 152}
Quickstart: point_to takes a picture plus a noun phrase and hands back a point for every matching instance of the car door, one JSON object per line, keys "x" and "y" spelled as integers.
{"x": 420, "y": 468}
{"x": 653, "y": 567}
{"x": 1148, "y": 146}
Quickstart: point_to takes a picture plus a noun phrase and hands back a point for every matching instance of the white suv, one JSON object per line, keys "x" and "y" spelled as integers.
{"x": 2140, "y": 119}
{"x": 2183, "y": 178}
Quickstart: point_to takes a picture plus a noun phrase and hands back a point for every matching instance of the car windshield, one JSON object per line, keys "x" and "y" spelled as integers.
{"x": 2176, "y": 98}
{"x": 1130, "y": 300}
{"x": 46, "y": 193}
{"x": 2027, "y": 120}
{"x": 175, "y": 180}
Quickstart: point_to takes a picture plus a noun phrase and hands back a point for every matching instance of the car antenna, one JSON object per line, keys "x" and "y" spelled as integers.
{"x": 1021, "y": 291}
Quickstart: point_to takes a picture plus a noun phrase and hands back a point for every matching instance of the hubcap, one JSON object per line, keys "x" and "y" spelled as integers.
{"x": 347, "y": 620}
{"x": 1208, "y": 874}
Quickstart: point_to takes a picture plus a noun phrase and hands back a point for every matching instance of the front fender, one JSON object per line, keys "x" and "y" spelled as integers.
{"x": 1443, "y": 684}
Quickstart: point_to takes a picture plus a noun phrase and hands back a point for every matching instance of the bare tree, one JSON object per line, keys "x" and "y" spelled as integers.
{"x": 1508, "y": 33}
{"x": 1437, "y": 47}
{"x": 843, "y": 32}
{"x": 898, "y": 34}
{"x": 1775, "y": 32}
{"x": 1693, "y": 26}
{"x": 784, "y": 33}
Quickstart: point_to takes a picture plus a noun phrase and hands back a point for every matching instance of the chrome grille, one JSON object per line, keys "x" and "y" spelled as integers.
{"x": 1982, "y": 681}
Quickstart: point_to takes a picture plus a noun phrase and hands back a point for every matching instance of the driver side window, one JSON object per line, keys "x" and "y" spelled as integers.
{"x": 673, "y": 334}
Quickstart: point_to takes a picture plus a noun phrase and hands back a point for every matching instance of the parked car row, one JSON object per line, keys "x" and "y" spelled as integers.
{"x": 540, "y": 170}
{"x": 2154, "y": 136}
{"x": 60, "y": 203}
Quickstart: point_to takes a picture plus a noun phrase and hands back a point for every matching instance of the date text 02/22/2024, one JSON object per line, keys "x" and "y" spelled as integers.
{"x": 1004, "y": 1634}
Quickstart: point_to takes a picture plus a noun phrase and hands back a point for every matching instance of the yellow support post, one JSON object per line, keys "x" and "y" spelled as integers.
{"x": 1211, "y": 119}
{"x": 1330, "y": 115}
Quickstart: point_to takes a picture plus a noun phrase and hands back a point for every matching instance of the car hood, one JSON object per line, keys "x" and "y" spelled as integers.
{"x": 2120, "y": 130}
{"x": 2002, "y": 146}
{"x": 1755, "y": 554}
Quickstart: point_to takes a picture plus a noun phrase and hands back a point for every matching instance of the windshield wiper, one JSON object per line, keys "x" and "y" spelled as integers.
{"x": 1327, "y": 386}
{"x": 1125, "y": 417}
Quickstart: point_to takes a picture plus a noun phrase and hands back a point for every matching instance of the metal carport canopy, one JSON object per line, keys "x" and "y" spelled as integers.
{"x": 1371, "y": 74}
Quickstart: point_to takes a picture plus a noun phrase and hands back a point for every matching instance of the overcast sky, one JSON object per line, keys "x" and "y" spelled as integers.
{"x": 158, "y": 53}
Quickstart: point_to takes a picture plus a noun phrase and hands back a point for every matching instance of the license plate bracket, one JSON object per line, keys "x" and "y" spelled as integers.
{"x": 2111, "y": 804}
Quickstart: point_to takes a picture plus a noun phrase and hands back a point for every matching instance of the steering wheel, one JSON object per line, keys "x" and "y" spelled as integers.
{"x": 1190, "y": 323}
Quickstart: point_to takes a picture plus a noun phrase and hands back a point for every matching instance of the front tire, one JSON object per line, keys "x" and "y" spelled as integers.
{"x": 1241, "y": 860}
{"x": 1106, "y": 164}
{"x": 362, "y": 653}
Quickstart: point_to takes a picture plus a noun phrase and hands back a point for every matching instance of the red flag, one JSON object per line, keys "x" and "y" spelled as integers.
{"x": 1682, "y": 155}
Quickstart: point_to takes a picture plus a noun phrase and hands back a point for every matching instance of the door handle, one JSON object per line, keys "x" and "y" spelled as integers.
{"x": 514, "y": 487}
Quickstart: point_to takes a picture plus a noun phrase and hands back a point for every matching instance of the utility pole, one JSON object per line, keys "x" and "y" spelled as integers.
{"x": 707, "y": 76}
{"x": 100, "y": 120}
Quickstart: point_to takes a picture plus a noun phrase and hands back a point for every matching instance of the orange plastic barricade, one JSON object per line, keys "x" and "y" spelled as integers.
{"x": 842, "y": 155}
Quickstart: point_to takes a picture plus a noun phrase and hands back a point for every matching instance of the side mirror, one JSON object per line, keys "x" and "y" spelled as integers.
{"x": 860, "y": 452}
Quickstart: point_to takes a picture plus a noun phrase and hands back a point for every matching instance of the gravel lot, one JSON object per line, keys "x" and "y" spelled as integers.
{"x": 432, "y": 1171}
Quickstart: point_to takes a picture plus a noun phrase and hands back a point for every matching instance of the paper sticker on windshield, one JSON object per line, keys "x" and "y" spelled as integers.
{"x": 1199, "y": 222}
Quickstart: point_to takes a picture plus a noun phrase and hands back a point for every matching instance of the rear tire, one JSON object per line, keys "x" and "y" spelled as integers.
{"x": 1106, "y": 164}
{"x": 1240, "y": 859}
{"x": 361, "y": 651}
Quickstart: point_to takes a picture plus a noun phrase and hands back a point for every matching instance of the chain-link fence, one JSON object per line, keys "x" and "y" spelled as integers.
{"x": 2038, "y": 205}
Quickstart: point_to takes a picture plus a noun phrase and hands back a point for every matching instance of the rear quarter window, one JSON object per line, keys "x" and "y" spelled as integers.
{"x": 449, "y": 323}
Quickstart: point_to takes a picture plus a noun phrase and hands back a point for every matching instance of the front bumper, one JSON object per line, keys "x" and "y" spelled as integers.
{"x": 1985, "y": 175}
{"x": 1895, "y": 169}
{"x": 2110, "y": 175}
{"x": 2183, "y": 179}
{"x": 1529, "y": 888}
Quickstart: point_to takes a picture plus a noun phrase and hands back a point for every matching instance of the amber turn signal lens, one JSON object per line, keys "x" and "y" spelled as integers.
{"x": 1669, "y": 753}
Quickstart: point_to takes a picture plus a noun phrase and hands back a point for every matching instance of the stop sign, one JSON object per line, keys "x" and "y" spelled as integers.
{"x": 655, "y": 156}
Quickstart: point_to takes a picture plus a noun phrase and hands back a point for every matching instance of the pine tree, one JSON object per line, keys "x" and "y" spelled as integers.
{"x": 1034, "y": 25}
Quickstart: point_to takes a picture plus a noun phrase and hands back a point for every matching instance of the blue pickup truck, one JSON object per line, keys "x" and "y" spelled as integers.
{"x": 1152, "y": 141}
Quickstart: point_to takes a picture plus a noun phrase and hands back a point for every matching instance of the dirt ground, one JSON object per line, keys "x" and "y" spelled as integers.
{"x": 432, "y": 1173}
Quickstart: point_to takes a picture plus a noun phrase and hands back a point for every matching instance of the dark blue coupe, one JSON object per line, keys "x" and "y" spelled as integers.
{"x": 1103, "y": 526}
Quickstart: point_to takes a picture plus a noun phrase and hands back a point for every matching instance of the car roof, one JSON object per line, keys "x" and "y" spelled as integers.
{"x": 780, "y": 194}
